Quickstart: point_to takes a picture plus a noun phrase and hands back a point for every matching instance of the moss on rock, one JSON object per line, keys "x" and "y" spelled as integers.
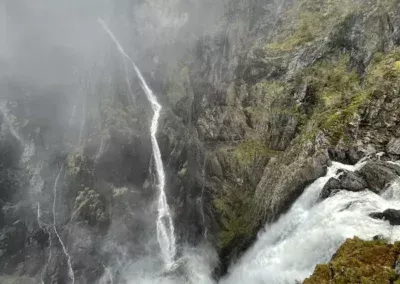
{"x": 359, "y": 261}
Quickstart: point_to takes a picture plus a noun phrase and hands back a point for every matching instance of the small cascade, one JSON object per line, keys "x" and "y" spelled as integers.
{"x": 70, "y": 270}
{"x": 165, "y": 226}
{"x": 203, "y": 217}
{"x": 312, "y": 231}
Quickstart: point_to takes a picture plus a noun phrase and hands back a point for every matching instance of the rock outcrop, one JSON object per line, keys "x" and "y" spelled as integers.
{"x": 392, "y": 215}
{"x": 374, "y": 175}
{"x": 359, "y": 261}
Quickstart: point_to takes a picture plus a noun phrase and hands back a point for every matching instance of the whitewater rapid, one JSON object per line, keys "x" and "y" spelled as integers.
{"x": 165, "y": 226}
{"x": 312, "y": 231}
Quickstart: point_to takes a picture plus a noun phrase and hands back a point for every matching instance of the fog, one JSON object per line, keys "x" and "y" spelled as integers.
{"x": 57, "y": 67}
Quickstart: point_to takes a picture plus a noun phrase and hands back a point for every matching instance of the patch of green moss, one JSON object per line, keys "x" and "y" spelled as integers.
{"x": 251, "y": 150}
{"x": 383, "y": 75}
{"x": 267, "y": 98}
{"x": 359, "y": 261}
{"x": 308, "y": 20}
{"x": 338, "y": 95}
{"x": 234, "y": 206}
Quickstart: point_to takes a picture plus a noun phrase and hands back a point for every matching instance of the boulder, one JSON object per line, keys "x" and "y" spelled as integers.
{"x": 378, "y": 174}
{"x": 346, "y": 181}
{"x": 393, "y": 147}
{"x": 392, "y": 215}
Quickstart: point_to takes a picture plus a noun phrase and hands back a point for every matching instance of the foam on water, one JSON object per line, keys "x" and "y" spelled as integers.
{"x": 312, "y": 231}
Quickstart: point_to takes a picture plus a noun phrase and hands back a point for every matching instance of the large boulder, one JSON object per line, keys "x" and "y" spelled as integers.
{"x": 347, "y": 181}
{"x": 392, "y": 215}
{"x": 378, "y": 175}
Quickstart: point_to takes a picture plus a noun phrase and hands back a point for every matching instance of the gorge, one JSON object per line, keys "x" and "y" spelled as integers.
{"x": 186, "y": 141}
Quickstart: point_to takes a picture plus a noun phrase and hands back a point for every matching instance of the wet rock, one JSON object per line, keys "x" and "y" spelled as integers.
{"x": 346, "y": 181}
{"x": 41, "y": 236}
{"x": 378, "y": 175}
{"x": 393, "y": 147}
{"x": 392, "y": 215}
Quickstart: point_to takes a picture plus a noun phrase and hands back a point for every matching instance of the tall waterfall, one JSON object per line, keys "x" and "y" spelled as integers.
{"x": 312, "y": 231}
{"x": 64, "y": 249}
{"x": 165, "y": 226}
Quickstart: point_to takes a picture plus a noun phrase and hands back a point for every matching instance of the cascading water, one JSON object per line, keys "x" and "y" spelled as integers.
{"x": 165, "y": 226}
{"x": 312, "y": 231}
{"x": 203, "y": 217}
{"x": 70, "y": 270}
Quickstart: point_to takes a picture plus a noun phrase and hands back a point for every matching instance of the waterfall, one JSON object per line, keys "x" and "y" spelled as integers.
{"x": 70, "y": 270}
{"x": 312, "y": 231}
{"x": 165, "y": 226}
{"x": 203, "y": 217}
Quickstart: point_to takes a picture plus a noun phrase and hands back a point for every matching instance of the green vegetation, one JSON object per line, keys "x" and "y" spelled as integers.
{"x": 338, "y": 96}
{"x": 383, "y": 75}
{"x": 249, "y": 151}
{"x": 76, "y": 164}
{"x": 308, "y": 20}
{"x": 234, "y": 206}
{"x": 89, "y": 207}
{"x": 359, "y": 261}
{"x": 340, "y": 92}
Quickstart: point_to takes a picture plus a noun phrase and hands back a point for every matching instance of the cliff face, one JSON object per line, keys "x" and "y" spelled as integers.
{"x": 278, "y": 90}
{"x": 253, "y": 112}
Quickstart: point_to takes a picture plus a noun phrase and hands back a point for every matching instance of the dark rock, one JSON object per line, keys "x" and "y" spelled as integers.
{"x": 379, "y": 174}
{"x": 41, "y": 236}
{"x": 332, "y": 185}
{"x": 392, "y": 215}
{"x": 346, "y": 181}
{"x": 353, "y": 182}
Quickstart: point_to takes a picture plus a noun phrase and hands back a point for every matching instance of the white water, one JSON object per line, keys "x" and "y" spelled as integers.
{"x": 165, "y": 227}
{"x": 203, "y": 217}
{"x": 312, "y": 231}
{"x": 70, "y": 270}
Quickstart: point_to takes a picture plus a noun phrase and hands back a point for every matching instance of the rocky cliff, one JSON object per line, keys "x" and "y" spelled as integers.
{"x": 283, "y": 88}
{"x": 253, "y": 112}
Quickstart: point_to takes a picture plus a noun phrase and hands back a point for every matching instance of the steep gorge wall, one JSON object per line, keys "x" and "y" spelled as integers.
{"x": 268, "y": 99}
{"x": 253, "y": 112}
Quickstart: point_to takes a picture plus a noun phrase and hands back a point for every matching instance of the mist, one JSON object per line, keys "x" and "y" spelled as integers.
{"x": 194, "y": 141}
{"x": 59, "y": 71}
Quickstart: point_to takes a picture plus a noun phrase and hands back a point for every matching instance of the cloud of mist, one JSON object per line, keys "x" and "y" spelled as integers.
{"x": 53, "y": 52}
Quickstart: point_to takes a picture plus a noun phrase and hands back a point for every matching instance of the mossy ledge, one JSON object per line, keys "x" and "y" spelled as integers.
{"x": 360, "y": 261}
